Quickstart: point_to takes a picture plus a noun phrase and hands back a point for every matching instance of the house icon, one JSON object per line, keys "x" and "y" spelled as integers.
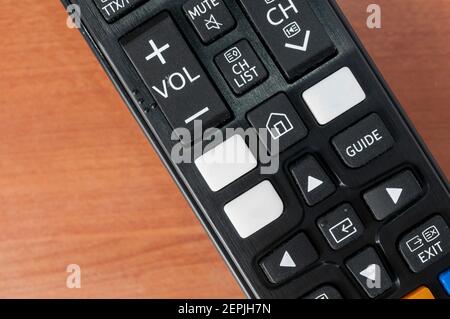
{"x": 278, "y": 125}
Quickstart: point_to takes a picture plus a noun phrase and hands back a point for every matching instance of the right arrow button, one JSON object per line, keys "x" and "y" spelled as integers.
{"x": 313, "y": 183}
{"x": 393, "y": 195}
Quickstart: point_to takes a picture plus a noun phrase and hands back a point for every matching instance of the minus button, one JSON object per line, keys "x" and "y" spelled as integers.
{"x": 196, "y": 115}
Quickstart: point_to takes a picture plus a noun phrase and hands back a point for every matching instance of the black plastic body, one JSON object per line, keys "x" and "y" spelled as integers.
{"x": 242, "y": 255}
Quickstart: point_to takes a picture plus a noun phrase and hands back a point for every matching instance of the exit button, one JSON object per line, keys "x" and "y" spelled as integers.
{"x": 426, "y": 244}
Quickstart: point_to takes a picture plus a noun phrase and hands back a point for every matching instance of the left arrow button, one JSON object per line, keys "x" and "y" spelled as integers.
{"x": 289, "y": 259}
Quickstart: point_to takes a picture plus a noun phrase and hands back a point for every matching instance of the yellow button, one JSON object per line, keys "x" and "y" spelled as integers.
{"x": 420, "y": 293}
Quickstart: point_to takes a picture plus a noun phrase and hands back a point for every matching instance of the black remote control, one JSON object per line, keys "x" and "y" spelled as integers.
{"x": 286, "y": 141}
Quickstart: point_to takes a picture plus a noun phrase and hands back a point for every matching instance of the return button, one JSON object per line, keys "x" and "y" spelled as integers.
{"x": 363, "y": 142}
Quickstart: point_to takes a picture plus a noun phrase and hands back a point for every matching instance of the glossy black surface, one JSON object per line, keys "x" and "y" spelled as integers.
{"x": 244, "y": 256}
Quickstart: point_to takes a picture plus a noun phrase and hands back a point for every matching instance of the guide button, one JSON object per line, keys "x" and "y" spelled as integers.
{"x": 363, "y": 142}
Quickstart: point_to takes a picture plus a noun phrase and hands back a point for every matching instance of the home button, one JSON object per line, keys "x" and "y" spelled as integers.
{"x": 278, "y": 124}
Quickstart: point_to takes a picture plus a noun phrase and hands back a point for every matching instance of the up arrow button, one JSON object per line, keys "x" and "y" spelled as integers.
{"x": 287, "y": 261}
{"x": 314, "y": 183}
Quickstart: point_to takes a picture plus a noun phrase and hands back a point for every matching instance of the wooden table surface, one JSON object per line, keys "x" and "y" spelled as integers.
{"x": 79, "y": 184}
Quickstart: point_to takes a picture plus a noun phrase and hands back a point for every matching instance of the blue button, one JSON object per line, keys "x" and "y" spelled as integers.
{"x": 445, "y": 280}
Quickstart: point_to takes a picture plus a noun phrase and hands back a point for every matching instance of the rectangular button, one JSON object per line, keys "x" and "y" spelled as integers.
{"x": 293, "y": 34}
{"x": 210, "y": 18}
{"x": 255, "y": 209}
{"x": 334, "y": 95}
{"x": 341, "y": 226}
{"x": 420, "y": 293}
{"x": 241, "y": 67}
{"x": 363, "y": 142}
{"x": 370, "y": 272}
{"x": 114, "y": 9}
{"x": 278, "y": 124}
{"x": 226, "y": 163}
{"x": 324, "y": 292}
{"x": 289, "y": 259}
{"x": 426, "y": 244}
{"x": 444, "y": 278}
{"x": 174, "y": 76}
{"x": 312, "y": 180}
{"x": 393, "y": 195}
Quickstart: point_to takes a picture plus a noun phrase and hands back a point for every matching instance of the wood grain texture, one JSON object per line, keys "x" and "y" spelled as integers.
{"x": 80, "y": 184}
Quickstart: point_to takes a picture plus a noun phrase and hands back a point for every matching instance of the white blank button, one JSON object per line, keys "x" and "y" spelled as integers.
{"x": 226, "y": 162}
{"x": 254, "y": 209}
{"x": 334, "y": 95}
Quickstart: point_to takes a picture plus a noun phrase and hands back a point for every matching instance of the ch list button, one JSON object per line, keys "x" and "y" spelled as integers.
{"x": 241, "y": 67}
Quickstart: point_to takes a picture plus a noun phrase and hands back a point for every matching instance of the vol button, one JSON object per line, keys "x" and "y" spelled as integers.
{"x": 175, "y": 78}
{"x": 157, "y": 52}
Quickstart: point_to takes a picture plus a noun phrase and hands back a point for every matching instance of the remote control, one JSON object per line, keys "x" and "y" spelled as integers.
{"x": 286, "y": 141}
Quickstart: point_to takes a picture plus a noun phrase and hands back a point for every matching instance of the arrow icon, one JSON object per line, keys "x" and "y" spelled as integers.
{"x": 370, "y": 272}
{"x": 287, "y": 261}
{"x": 394, "y": 193}
{"x": 303, "y": 47}
{"x": 346, "y": 227}
{"x": 313, "y": 183}
{"x": 343, "y": 230}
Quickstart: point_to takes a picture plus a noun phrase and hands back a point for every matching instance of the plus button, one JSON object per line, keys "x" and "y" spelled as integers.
{"x": 157, "y": 52}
